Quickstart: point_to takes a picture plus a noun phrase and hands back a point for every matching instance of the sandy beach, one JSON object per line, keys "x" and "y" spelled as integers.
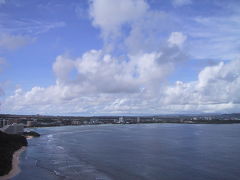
{"x": 15, "y": 165}
{"x": 29, "y": 137}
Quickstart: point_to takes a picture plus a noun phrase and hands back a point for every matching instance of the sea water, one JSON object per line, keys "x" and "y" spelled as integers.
{"x": 134, "y": 152}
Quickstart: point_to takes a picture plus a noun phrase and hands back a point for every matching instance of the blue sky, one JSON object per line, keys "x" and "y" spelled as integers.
{"x": 93, "y": 57}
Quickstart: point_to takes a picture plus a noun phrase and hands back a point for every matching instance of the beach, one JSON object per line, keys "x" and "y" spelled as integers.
{"x": 15, "y": 165}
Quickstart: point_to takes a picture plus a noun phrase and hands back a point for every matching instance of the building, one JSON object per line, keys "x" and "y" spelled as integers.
{"x": 76, "y": 122}
{"x": 13, "y": 129}
{"x": 138, "y": 119}
{"x": 3, "y": 122}
{"x": 121, "y": 120}
{"x": 85, "y": 122}
{"x": 30, "y": 123}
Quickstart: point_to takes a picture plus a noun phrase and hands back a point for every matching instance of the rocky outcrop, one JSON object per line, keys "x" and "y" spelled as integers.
{"x": 9, "y": 143}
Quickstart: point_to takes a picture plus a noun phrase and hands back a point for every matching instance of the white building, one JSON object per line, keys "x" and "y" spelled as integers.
{"x": 121, "y": 120}
{"x": 13, "y": 129}
{"x": 138, "y": 119}
{"x": 76, "y": 122}
{"x": 3, "y": 122}
{"x": 30, "y": 123}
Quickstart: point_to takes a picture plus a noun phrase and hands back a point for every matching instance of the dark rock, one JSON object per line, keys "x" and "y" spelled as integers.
{"x": 9, "y": 143}
{"x": 31, "y": 133}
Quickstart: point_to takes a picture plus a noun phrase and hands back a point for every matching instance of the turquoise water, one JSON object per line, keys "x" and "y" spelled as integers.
{"x": 139, "y": 151}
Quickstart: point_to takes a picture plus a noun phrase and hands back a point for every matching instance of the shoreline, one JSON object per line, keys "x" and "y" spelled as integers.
{"x": 208, "y": 122}
{"x": 15, "y": 164}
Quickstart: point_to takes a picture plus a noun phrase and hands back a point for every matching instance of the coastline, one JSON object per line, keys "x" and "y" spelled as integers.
{"x": 15, "y": 165}
{"x": 28, "y": 137}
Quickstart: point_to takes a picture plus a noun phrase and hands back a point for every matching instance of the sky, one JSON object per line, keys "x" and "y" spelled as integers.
{"x": 104, "y": 57}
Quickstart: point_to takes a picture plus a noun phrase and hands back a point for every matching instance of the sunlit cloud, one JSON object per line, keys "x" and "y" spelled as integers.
{"x": 130, "y": 73}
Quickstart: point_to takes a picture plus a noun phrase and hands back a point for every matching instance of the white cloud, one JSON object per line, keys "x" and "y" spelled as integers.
{"x": 216, "y": 89}
{"x": 102, "y": 84}
{"x": 96, "y": 71}
{"x": 176, "y": 39}
{"x": 101, "y": 78}
{"x": 130, "y": 25}
{"x": 147, "y": 33}
{"x": 62, "y": 67}
{"x": 8, "y": 41}
{"x": 181, "y": 2}
{"x": 101, "y": 81}
{"x": 110, "y": 15}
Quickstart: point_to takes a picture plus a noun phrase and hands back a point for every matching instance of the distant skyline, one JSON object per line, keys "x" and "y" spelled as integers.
{"x": 94, "y": 57}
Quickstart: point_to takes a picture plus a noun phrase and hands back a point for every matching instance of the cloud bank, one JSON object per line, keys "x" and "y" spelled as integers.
{"x": 102, "y": 86}
{"x": 130, "y": 73}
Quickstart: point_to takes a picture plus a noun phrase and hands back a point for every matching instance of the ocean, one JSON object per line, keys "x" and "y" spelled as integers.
{"x": 133, "y": 152}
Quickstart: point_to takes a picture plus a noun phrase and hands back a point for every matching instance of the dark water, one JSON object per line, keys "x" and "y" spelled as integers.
{"x": 134, "y": 152}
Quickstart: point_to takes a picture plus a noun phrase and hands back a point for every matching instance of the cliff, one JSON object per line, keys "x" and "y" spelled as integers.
{"x": 9, "y": 143}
